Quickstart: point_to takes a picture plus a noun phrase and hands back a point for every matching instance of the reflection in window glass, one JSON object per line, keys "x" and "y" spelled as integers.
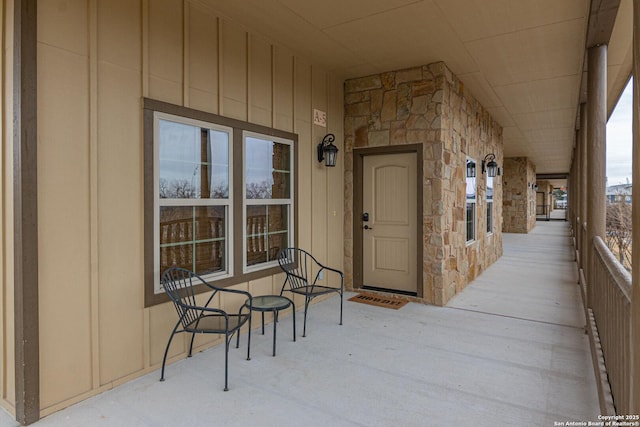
{"x": 489, "y": 204}
{"x": 193, "y": 237}
{"x": 193, "y": 196}
{"x": 268, "y": 202}
{"x": 471, "y": 223}
{"x": 268, "y": 169}
{"x": 267, "y": 232}
{"x": 194, "y": 162}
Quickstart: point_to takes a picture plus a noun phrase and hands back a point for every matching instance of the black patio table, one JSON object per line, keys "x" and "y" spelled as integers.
{"x": 273, "y": 303}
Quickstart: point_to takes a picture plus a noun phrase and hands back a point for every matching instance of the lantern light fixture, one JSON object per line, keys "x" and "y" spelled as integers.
{"x": 490, "y": 166}
{"x": 327, "y": 151}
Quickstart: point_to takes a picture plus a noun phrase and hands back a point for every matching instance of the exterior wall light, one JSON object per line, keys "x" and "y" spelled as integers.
{"x": 471, "y": 169}
{"x": 489, "y": 165}
{"x": 327, "y": 151}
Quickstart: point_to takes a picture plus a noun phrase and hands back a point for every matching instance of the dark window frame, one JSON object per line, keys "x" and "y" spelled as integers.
{"x": 150, "y": 106}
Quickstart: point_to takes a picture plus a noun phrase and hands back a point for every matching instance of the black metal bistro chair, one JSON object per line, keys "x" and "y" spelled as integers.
{"x": 179, "y": 284}
{"x": 299, "y": 266}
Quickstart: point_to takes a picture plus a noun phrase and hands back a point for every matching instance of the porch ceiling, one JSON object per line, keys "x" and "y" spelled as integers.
{"x": 522, "y": 60}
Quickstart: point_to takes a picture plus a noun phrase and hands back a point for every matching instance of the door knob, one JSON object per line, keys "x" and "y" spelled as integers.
{"x": 366, "y": 227}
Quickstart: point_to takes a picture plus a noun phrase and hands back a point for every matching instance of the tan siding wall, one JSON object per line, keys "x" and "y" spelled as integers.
{"x": 7, "y": 368}
{"x": 97, "y": 60}
{"x": 63, "y": 220}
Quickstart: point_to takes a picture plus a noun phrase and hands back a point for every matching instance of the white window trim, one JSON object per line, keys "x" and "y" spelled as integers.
{"x": 157, "y": 203}
{"x": 245, "y": 202}
{"x": 490, "y": 202}
{"x": 491, "y": 232}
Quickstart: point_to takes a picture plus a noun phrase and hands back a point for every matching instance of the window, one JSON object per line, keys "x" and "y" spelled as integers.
{"x": 267, "y": 199}
{"x": 192, "y": 195}
{"x": 489, "y": 204}
{"x": 470, "y": 215}
{"x": 219, "y": 196}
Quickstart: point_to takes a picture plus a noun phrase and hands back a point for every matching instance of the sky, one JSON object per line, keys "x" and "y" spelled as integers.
{"x": 619, "y": 139}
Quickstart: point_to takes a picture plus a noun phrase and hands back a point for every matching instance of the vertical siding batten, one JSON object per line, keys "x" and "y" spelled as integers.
{"x": 144, "y": 84}
{"x": 186, "y": 51}
{"x": 4, "y": 204}
{"x": 335, "y": 179}
{"x": 248, "y": 72}
{"x": 318, "y": 172}
{"x": 220, "y": 67}
{"x": 93, "y": 192}
{"x": 272, "y": 51}
{"x": 144, "y": 14}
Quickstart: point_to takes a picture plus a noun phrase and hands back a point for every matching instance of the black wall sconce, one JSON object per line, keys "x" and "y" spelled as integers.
{"x": 327, "y": 151}
{"x": 471, "y": 169}
{"x": 490, "y": 166}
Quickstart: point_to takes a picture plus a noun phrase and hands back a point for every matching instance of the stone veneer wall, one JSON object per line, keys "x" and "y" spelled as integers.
{"x": 428, "y": 105}
{"x": 519, "y": 200}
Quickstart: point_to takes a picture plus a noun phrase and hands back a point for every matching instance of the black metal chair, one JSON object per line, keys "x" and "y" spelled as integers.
{"x": 194, "y": 318}
{"x": 299, "y": 267}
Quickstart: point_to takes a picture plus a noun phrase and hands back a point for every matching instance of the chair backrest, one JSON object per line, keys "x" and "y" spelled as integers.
{"x": 178, "y": 283}
{"x": 299, "y": 266}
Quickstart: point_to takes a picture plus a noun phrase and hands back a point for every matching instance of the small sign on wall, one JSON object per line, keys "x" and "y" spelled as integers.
{"x": 319, "y": 118}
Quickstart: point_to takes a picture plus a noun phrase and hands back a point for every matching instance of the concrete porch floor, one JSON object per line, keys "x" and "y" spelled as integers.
{"x": 509, "y": 350}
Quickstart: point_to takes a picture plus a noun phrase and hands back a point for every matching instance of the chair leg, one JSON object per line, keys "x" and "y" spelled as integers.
{"x": 341, "y": 307}
{"x": 166, "y": 350}
{"x": 249, "y": 339}
{"x": 307, "y": 300}
{"x": 193, "y": 337}
{"x": 226, "y": 361}
{"x": 293, "y": 314}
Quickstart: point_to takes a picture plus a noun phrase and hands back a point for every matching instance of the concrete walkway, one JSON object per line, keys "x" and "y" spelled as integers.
{"x": 510, "y": 350}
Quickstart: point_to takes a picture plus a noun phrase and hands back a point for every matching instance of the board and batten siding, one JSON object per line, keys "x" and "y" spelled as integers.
{"x": 97, "y": 60}
{"x": 7, "y": 324}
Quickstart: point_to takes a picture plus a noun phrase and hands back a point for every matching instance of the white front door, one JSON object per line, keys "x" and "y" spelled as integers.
{"x": 389, "y": 235}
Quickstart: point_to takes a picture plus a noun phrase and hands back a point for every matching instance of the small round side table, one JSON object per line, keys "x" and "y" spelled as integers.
{"x": 273, "y": 303}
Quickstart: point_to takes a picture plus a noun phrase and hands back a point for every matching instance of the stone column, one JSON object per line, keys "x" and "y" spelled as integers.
{"x": 582, "y": 179}
{"x": 596, "y": 152}
{"x": 635, "y": 277}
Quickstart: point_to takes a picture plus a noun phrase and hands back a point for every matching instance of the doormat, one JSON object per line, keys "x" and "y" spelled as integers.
{"x": 378, "y": 300}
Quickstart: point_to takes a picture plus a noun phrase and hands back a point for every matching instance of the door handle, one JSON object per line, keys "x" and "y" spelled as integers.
{"x": 366, "y": 227}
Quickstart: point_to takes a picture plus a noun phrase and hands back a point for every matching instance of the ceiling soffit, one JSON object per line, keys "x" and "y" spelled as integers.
{"x": 522, "y": 60}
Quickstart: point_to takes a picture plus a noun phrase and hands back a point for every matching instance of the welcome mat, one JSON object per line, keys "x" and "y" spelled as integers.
{"x": 379, "y": 301}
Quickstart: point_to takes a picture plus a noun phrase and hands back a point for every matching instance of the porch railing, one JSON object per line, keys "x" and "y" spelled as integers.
{"x": 611, "y": 304}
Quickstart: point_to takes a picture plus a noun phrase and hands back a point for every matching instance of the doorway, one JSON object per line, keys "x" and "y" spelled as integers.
{"x": 388, "y": 220}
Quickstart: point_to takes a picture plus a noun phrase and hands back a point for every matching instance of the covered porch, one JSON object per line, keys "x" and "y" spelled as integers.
{"x": 512, "y": 347}
{"x": 449, "y": 86}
